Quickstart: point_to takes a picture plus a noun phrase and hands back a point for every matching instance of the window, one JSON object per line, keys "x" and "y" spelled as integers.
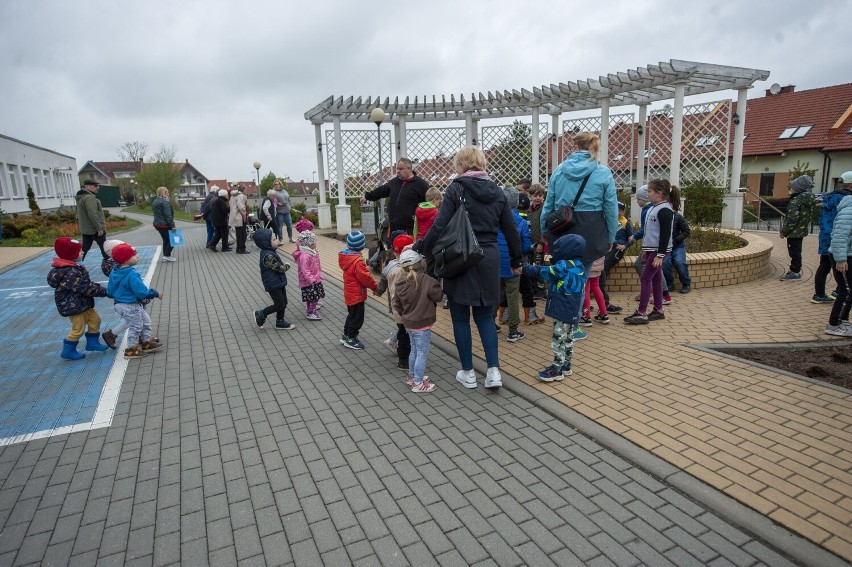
{"x": 37, "y": 182}
{"x": 706, "y": 141}
{"x": 767, "y": 184}
{"x": 13, "y": 181}
{"x": 618, "y": 156}
{"x": 794, "y": 132}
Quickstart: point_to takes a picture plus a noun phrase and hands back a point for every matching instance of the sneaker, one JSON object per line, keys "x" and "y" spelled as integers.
{"x": 834, "y": 294}
{"x": 134, "y": 352}
{"x": 445, "y": 304}
{"x": 686, "y": 289}
{"x": 466, "y": 378}
{"x": 515, "y": 336}
{"x": 791, "y": 277}
{"x": 604, "y": 319}
{"x": 579, "y": 335}
{"x": 169, "y": 259}
{"x": 259, "y": 318}
{"x": 391, "y": 344}
{"x": 637, "y": 298}
{"x": 613, "y": 308}
{"x": 839, "y": 330}
{"x": 636, "y": 319}
{"x": 551, "y": 373}
{"x": 585, "y": 321}
{"x": 354, "y": 344}
{"x": 284, "y": 325}
{"x": 151, "y": 346}
{"x": 498, "y": 327}
{"x": 821, "y": 299}
{"x": 344, "y": 339}
{"x": 655, "y": 315}
{"x": 493, "y": 379}
{"x": 402, "y": 364}
{"x": 423, "y": 387}
{"x": 566, "y": 371}
{"x": 409, "y": 380}
{"x": 313, "y": 316}
{"x": 667, "y": 299}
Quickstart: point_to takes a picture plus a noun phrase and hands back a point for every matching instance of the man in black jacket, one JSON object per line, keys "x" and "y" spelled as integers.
{"x": 406, "y": 191}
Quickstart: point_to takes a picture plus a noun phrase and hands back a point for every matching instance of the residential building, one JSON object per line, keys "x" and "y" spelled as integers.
{"x": 109, "y": 172}
{"x": 52, "y": 176}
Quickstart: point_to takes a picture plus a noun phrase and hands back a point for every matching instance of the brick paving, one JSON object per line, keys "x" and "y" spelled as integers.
{"x": 239, "y": 445}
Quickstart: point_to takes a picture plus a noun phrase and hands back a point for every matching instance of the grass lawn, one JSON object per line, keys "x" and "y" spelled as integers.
{"x": 113, "y": 227}
{"x": 178, "y": 214}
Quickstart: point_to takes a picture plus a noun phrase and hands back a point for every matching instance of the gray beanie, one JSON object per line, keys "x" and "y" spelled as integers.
{"x": 802, "y": 184}
{"x": 511, "y": 196}
{"x": 642, "y": 194}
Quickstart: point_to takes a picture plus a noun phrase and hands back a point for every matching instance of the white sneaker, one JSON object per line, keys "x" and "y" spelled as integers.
{"x": 838, "y": 330}
{"x": 466, "y": 378}
{"x": 169, "y": 259}
{"x": 493, "y": 379}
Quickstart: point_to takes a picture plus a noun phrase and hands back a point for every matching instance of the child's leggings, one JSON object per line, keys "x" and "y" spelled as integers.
{"x": 562, "y": 343}
{"x": 593, "y": 287}
{"x": 652, "y": 283}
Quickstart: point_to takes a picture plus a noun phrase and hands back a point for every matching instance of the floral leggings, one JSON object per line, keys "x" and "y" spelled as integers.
{"x": 562, "y": 343}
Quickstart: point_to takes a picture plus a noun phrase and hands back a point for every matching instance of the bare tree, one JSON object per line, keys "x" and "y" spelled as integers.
{"x": 132, "y": 151}
{"x": 166, "y": 154}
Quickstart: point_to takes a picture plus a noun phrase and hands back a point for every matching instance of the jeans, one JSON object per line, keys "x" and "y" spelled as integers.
{"x": 482, "y": 316}
{"x": 87, "y": 243}
{"x": 794, "y": 249}
{"x": 652, "y": 281}
{"x": 511, "y": 288}
{"x": 843, "y": 303}
{"x": 419, "y": 352}
{"x": 167, "y": 245}
{"x": 209, "y": 230}
{"x": 678, "y": 259}
{"x": 280, "y": 220}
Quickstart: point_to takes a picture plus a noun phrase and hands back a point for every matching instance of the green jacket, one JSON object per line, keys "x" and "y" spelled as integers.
{"x": 90, "y": 213}
{"x": 800, "y": 211}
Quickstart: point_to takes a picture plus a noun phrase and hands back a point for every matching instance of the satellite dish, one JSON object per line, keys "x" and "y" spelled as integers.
{"x": 667, "y": 107}
{"x": 775, "y": 88}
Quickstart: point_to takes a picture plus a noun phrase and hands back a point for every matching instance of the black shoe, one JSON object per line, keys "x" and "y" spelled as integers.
{"x": 656, "y": 315}
{"x": 259, "y": 318}
{"x": 613, "y": 308}
{"x": 211, "y": 248}
{"x": 685, "y": 289}
{"x": 243, "y": 252}
{"x": 227, "y": 249}
{"x": 402, "y": 365}
{"x": 284, "y": 325}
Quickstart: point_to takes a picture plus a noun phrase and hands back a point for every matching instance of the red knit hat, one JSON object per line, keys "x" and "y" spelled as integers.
{"x": 67, "y": 248}
{"x": 121, "y": 253}
{"x": 401, "y": 242}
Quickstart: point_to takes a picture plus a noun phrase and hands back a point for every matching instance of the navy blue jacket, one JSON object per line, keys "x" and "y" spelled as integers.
{"x": 273, "y": 272}
{"x": 75, "y": 291}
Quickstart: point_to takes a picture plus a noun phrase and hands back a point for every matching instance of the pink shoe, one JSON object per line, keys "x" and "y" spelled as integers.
{"x": 423, "y": 387}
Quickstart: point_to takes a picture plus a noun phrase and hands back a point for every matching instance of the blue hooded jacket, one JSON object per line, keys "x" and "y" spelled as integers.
{"x": 841, "y": 234}
{"x": 273, "y": 274}
{"x": 826, "y": 217}
{"x": 126, "y": 286}
{"x": 565, "y": 278}
{"x": 526, "y": 245}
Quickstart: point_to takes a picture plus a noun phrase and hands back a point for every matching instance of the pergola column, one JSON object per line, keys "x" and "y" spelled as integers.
{"x": 677, "y": 134}
{"x": 603, "y": 156}
{"x": 732, "y": 212}
{"x": 536, "y": 146}
{"x": 468, "y": 129}
{"x": 324, "y": 209}
{"x": 640, "y": 161}
{"x": 344, "y": 215}
{"x": 401, "y": 138}
{"x": 557, "y": 137}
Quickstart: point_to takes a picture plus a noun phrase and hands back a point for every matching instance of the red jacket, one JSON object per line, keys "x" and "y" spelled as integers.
{"x": 424, "y": 216}
{"x": 356, "y": 277}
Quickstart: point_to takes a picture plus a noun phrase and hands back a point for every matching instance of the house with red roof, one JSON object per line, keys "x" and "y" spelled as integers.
{"x": 111, "y": 172}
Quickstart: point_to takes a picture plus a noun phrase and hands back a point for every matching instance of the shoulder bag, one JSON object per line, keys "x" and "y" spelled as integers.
{"x": 561, "y": 220}
{"x": 457, "y": 250}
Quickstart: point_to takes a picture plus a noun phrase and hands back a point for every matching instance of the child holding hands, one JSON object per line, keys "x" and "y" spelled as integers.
{"x": 128, "y": 290}
{"x": 310, "y": 273}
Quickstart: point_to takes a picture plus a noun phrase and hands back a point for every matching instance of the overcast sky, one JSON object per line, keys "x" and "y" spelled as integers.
{"x": 227, "y": 83}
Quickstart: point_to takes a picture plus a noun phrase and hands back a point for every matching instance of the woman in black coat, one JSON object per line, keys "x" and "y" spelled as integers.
{"x": 219, "y": 211}
{"x": 478, "y": 289}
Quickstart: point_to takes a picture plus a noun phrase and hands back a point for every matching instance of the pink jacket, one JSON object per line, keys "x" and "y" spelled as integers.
{"x": 308, "y": 261}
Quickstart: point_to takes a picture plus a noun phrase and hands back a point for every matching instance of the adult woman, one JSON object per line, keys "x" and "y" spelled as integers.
{"x": 478, "y": 289}
{"x": 237, "y": 219}
{"x": 597, "y": 220}
{"x": 219, "y": 212}
{"x": 164, "y": 220}
{"x": 282, "y": 211}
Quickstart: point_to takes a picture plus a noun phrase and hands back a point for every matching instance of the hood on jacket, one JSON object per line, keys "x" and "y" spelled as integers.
{"x": 263, "y": 239}
{"x": 578, "y": 165}
{"x": 347, "y": 257}
{"x": 481, "y": 189}
{"x": 569, "y": 246}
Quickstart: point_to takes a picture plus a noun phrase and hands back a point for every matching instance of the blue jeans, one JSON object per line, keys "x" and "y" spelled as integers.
{"x": 282, "y": 219}
{"x": 419, "y": 352}
{"x": 678, "y": 258}
{"x": 460, "y": 315}
{"x": 209, "y": 230}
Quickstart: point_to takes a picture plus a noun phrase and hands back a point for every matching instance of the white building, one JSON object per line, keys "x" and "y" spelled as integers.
{"x": 53, "y": 176}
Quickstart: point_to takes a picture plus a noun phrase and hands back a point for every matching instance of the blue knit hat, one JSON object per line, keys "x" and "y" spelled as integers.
{"x": 356, "y": 240}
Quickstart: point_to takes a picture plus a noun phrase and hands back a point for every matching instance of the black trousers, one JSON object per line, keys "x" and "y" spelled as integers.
{"x": 794, "y": 249}
{"x": 279, "y": 303}
{"x": 87, "y": 243}
{"x": 220, "y": 232}
{"x": 167, "y": 246}
{"x": 610, "y": 260}
{"x": 821, "y": 274}
{"x": 355, "y": 320}
{"x": 403, "y": 343}
{"x": 843, "y": 304}
{"x": 241, "y": 237}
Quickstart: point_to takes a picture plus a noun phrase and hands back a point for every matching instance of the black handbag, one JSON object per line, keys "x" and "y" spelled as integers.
{"x": 561, "y": 220}
{"x": 456, "y": 250}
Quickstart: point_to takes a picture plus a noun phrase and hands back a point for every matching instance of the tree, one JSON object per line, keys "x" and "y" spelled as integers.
{"x": 31, "y": 200}
{"x": 166, "y": 154}
{"x": 802, "y": 169}
{"x": 513, "y": 160}
{"x": 267, "y": 181}
{"x": 132, "y": 151}
{"x": 163, "y": 172}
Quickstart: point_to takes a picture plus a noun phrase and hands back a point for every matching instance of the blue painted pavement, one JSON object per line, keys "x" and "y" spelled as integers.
{"x": 40, "y": 392}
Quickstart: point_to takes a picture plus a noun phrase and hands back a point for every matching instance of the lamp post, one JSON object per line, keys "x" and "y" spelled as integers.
{"x": 377, "y": 116}
{"x": 133, "y": 186}
{"x": 257, "y": 169}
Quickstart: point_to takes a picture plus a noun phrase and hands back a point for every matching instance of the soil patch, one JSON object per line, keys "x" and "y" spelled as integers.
{"x": 830, "y": 363}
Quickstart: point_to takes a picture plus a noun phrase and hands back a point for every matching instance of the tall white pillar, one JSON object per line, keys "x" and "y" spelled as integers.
{"x": 468, "y": 128}
{"x": 677, "y": 135}
{"x": 324, "y": 209}
{"x": 603, "y": 156}
{"x": 401, "y": 139}
{"x": 635, "y": 215}
{"x": 477, "y": 141}
{"x": 536, "y": 146}
{"x": 344, "y": 215}
{"x": 739, "y": 136}
{"x": 557, "y": 142}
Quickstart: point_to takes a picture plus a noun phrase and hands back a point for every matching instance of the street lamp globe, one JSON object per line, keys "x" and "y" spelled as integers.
{"x": 257, "y": 169}
{"x": 377, "y": 116}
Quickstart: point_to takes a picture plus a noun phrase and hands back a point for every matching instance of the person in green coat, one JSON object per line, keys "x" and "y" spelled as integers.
{"x": 90, "y": 217}
{"x": 796, "y": 224}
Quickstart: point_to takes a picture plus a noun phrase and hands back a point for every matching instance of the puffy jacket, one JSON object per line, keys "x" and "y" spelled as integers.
{"x": 841, "y": 234}
{"x": 308, "y": 262}
{"x": 599, "y": 194}
{"x": 90, "y": 213}
{"x": 356, "y": 277}
{"x": 680, "y": 230}
{"x": 273, "y": 272}
{"x": 799, "y": 212}
{"x": 565, "y": 278}
{"x": 526, "y": 244}
{"x": 75, "y": 291}
{"x": 424, "y": 217}
{"x": 826, "y": 216}
{"x": 415, "y": 301}
{"x": 162, "y": 210}
{"x": 126, "y": 286}
{"x": 403, "y": 198}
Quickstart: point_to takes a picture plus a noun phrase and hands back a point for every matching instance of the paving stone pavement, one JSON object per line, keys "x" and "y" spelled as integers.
{"x": 235, "y": 445}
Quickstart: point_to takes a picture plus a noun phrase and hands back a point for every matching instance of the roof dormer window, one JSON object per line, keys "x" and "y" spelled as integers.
{"x": 706, "y": 141}
{"x": 794, "y": 132}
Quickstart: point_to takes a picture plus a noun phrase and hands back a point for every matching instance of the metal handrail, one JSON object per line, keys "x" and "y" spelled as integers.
{"x": 765, "y": 202}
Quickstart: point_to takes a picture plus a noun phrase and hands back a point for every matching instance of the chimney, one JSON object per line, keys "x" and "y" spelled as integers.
{"x": 788, "y": 89}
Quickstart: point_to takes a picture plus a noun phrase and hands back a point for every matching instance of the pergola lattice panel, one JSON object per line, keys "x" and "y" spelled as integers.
{"x": 620, "y": 143}
{"x": 508, "y": 149}
{"x": 360, "y": 161}
{"x": 432, "y": 150}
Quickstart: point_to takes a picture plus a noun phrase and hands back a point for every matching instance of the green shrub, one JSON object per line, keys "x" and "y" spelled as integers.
{"x": 704, "y": 202}
{"x": 35, "y": 237}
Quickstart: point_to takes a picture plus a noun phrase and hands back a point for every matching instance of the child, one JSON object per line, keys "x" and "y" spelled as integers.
{"x": 75, "y": 297}
{"x": 795, "y": 226}
{"x": 310, "y": 273}
{"x": 273, "y": 274}
{"x": 841, "y": 257}
{"x": 509, "y": 282}
{"x": 656, "y": 245}
{"x": 614, "y": 256}
{"x": 680, "y": 232}
{"x": 566, "y": 278}
{"x": 416, "y": 297}
{"x": 426, "y": 212}
{"x": 356, "y": 281}
{"x": 643, "y": 201}
{"x": 127, "y": 289}
{"x": 828, "y": 212}
{"x": 399, "y": 342}
{"x": 593, "y": 287}
{"x": 527, "y": 285}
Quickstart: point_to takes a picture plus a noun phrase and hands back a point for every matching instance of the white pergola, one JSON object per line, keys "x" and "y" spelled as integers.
{"x": 673, "y": 80}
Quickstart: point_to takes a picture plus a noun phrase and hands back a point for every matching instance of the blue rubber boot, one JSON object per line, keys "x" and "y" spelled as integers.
{"x": 93, "y": 342}
{"x": 69, "y": 350}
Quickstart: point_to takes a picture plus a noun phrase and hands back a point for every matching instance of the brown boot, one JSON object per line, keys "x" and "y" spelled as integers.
{"x": 526, "y": 315}
{"x": 150, "y": 346}
{"x": 134, "y": 352}
{"x": 500, "y": 312}
{"x": 109, "y": 338}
